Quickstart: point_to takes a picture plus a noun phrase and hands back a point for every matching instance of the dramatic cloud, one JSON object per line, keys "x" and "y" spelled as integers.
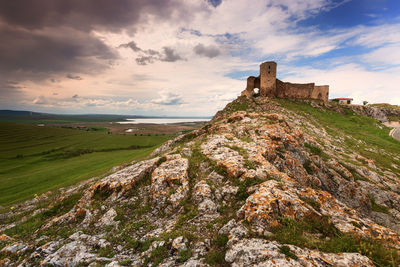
{"x": 150, "y": 56}
{"x": 56, "y": 36}
{"x": 9, "y": 91}
{"x": 170, "y": 55}
{"x": 206, "y": 51}
{"x": 39, "y": 53}
{"x": 118, "y": 55}
{"x": 132, "y": 45}
{"x": 73, "y": 77}
{"x": 168, "y": 98}
{"x": 41, "y": 100}
{"x": 86, "y": 15}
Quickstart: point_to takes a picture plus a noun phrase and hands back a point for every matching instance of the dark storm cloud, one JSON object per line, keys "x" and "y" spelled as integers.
{"x": 132, "y": 45}
{"x": 9, "y": 90}
{"x": 73, "y": 77}
{"x": 206, "y": 51}
{"x": 83, "y": 14}
{"x": 44, "y": 38}
{"x": 149, "y": 56}
{"x": 144, "y": 60}
{"x": 51, "y": 51}
{"x": 170, "y": 55}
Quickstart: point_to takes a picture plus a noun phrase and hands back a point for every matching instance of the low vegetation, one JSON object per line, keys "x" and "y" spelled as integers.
{"x": 36, "y": 159}
{"x": 365, "y": 135}
{"x": 158, "y": 232}
{"x": 28, "y": 227}
{"x": 319, "y": 233}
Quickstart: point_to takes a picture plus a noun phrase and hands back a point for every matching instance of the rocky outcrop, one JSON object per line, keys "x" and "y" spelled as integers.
{"x": 263, "y": 186}
{"x": 258, "y": 252}
{"x": 381, "y": 114}
{"x": 170, "y": 181}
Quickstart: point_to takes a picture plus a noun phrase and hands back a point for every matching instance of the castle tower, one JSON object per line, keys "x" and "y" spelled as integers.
{"x": 268, "y": 79}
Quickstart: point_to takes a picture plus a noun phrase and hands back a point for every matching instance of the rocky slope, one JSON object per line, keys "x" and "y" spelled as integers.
{"x": 383, "y": 113}
{"x": 265, "y": 183}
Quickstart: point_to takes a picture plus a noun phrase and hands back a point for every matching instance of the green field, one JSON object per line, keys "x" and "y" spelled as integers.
{"x": 36, "y": 159}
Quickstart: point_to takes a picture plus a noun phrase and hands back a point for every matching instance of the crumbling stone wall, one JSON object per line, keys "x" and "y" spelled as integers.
{"x": 252, "y": 83}
{"x": 271, "y": 87}
{"x": 294, "y": 90}
{"x": 321, "y": 92}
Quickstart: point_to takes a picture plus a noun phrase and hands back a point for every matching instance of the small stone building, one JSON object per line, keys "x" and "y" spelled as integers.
{"x": 343, "y": 100}
{"x": 270, "y": 86}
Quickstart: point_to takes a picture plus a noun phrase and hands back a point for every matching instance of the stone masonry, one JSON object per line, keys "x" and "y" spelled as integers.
{"x": 270, "y": 86}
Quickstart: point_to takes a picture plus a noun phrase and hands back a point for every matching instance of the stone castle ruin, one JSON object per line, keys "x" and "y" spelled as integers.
{"x": 270, "y": 86}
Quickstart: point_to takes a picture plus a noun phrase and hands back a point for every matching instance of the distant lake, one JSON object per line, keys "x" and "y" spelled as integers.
{"x": 163, "y": 120}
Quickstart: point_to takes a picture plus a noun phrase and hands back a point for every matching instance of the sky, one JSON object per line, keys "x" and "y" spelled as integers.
{"x": 190, "y": 57}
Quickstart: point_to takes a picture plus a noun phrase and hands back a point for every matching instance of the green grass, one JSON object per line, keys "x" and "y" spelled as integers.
{"x": 216, "y": 255}
{"x": 240, "y": 104}
{"x": 157, "y": 256}
{"x": 244, "y": 184}
{"x": 319, "y": 233}
{"x": 28, "y": 227}
{"x": 36, "y": 159}
{"x": 376, "y": 207}
{"x": 353, "y": 128}
{"x": 286, "y": 250}
{"x": 313, "y": 149}
{"x": 184, "y": 255}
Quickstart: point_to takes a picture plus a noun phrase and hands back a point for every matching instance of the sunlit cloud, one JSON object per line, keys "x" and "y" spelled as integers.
{"x": 152, "y": 57}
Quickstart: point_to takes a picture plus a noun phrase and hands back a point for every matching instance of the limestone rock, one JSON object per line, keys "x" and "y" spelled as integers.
{"x": 70, "y": 254}
{"x": 201, "y": 191}
{"x": 194, "y": 263}
{"x": 207, "y": 206}
{"x": 15, "y": 248}
{"x": 5, "y": 238}
{"x": 258, "y": 252}
{"x": 108, "y": 218}
{"x": 170, "y": 182}
{"x": 179, "y": 243}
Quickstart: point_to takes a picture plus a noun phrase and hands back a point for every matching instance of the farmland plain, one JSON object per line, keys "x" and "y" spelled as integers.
{"x": 35, "y": 159}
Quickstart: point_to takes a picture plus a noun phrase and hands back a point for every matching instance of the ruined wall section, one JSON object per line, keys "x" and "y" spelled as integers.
{"x": 271, "y": 87}
{"x": 320, "y": 92}
{"x": 252, "y": 83}
{"x": 294, "y": 90}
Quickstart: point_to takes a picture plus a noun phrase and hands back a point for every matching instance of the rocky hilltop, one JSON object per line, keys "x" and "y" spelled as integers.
{"x": 267, "y": 182}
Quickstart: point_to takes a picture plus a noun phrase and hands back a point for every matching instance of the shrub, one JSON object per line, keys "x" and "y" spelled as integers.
{"x": 157, "y": 256}
{"x": 313, "y": 149}
{"x": 184, "y": 255}
{"x": 376, "y": 207}
{"x": 307, "y": 166}
{"x": 215, "y": 258}
{"x": 286, "y": 250}
{"x": 244, "y": 185}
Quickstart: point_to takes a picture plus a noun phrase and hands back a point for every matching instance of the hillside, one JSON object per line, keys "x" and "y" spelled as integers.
{"x": 36, "y": 159}
{"x": 37, "y": 117}
{"x": 268, "y": 182}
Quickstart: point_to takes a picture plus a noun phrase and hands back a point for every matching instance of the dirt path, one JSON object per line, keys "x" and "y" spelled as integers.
{"x": 396, "y": 133}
